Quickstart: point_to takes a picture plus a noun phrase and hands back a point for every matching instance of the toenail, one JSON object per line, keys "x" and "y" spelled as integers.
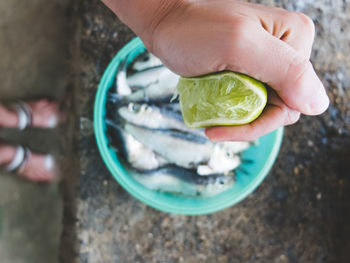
{"x": 49, "y": 162}
{"x": 52, "y": 122}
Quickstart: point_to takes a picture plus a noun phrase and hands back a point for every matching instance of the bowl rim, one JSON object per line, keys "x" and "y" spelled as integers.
{"x": 123, "y": 179}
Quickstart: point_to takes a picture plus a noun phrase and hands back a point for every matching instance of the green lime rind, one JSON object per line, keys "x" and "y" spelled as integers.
{"x": 221, "y": 99}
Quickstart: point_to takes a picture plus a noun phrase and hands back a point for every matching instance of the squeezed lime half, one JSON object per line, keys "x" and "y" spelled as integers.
{"x": 220, "y": 99}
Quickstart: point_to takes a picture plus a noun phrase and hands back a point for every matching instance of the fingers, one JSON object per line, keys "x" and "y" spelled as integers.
{"x": 275, "y": 115}
{"x": 273, "y": 61}
{"x": 299, "y": 33}
{"x": 296, "y": 29}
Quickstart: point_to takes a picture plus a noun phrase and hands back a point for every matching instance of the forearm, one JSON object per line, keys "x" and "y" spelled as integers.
{"x": 142, "y": 16}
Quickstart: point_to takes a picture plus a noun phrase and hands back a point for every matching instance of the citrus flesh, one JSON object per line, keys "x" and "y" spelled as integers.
{"x": 220, "y": 99}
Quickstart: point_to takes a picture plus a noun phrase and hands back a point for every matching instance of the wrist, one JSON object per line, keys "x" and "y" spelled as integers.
{"x": 143, "y": 17}
{"x": 163, "y": 9}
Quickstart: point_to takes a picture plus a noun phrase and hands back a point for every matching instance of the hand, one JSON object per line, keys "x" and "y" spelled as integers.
{"x": 270, "y": 44}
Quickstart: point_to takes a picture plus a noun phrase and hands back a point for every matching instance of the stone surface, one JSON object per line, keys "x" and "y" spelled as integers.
{"x": 300, "y": 213}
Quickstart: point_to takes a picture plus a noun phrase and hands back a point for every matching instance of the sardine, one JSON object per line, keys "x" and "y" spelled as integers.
{"x": 122, "y": 87}
{"x": 182, "y": 181}
{"x": 136, "y": 154}
{"x": 156, "y": 85}
{"x": 224, "y": 158}
{"x": 146, "y": 77}
{"x": 153, "y": 117}
{"x": 175, "y": 147}
{"x": 147, "y": 61}
{"x": 221, "y": 161}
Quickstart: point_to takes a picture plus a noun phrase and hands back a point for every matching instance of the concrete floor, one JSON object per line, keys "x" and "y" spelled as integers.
{"x": 33, "y": 51}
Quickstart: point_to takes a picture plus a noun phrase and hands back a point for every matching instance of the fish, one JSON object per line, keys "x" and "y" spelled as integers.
{"x": 185, "y": 150}
{"x": 185, "y": 182}
{"x": 220, "y": 161}
{"x": 234, "y": 147}
{"x": 154, "y": 117}
{"x": 146, "y": 77}
{"x": 146, "y": 61}
{"x": 136, "y": 154}
{"x": 188, "y": 151}
{"x": 224, "y": 158}
{"x": 156, "y": 84}
{"x": 153, "y": 85}
{"x": 122, "y": 87}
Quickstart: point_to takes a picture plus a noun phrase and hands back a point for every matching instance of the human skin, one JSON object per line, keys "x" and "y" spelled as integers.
{"x": 35, "y": 167}
{"x": 45, "y": 115}
{"x": 270, "y": 44}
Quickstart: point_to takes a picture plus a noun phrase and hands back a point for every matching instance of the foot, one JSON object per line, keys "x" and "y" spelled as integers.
{"x": 37, "y": 168}
{"x": 8, "y": 118}
{"x": 44, "y": 114}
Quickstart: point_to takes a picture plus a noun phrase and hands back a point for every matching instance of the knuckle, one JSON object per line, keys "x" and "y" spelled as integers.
{"x": 306, "y": 22}
{"x": 238, "y": 36}
{"x": 305, "y": 19}
{"x": 297, "y": 18}
{"x": 240, "y": 28}
{"x": 297, "y": 67}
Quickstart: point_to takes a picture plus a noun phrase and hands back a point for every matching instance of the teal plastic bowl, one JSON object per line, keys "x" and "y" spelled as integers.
{"x": 248, "y": 176}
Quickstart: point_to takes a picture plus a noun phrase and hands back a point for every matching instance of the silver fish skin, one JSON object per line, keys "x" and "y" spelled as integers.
{"x": 154, "y": 117}
{"x": 174, "y": 147}
{"x": 150, "y": 62}
{"x": 122, "y": 87}
{"x": 146, "y": 77}
{"x": 181, "y": 181}
{"x": 161, "y": 86}
{"x": 138, "y": 155}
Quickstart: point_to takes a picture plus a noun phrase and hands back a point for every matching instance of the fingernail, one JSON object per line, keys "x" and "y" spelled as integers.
{"x": 49, "y": 162}
{"x": 319, "y": 105}
{"x": 53, "y": 121}
{"x": 316, "y": 100}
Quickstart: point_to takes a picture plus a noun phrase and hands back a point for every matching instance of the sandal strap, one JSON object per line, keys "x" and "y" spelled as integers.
{"x": 25, "y": 114}
{"x": 49, "y": 162}
{"x": 19, "y": 160}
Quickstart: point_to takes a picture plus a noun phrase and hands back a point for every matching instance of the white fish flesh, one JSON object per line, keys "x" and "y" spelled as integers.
{"x": 234, "y": 147}
{"x": 220, "y": 162}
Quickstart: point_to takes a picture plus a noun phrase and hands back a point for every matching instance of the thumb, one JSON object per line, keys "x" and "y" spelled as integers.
{"x": 276, "y": 63}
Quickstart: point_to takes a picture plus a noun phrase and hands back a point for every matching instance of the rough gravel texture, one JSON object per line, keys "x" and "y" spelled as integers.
{"x": 300, "y": 213}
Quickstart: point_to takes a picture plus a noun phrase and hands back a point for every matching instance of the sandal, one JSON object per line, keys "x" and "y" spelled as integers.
{"x": 26, "y": 116}
{"x": 20, "y": 161}
{"x": 24, "y": 113}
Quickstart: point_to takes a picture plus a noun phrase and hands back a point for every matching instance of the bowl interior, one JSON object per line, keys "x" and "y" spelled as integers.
{"x": 257, "y": 160}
